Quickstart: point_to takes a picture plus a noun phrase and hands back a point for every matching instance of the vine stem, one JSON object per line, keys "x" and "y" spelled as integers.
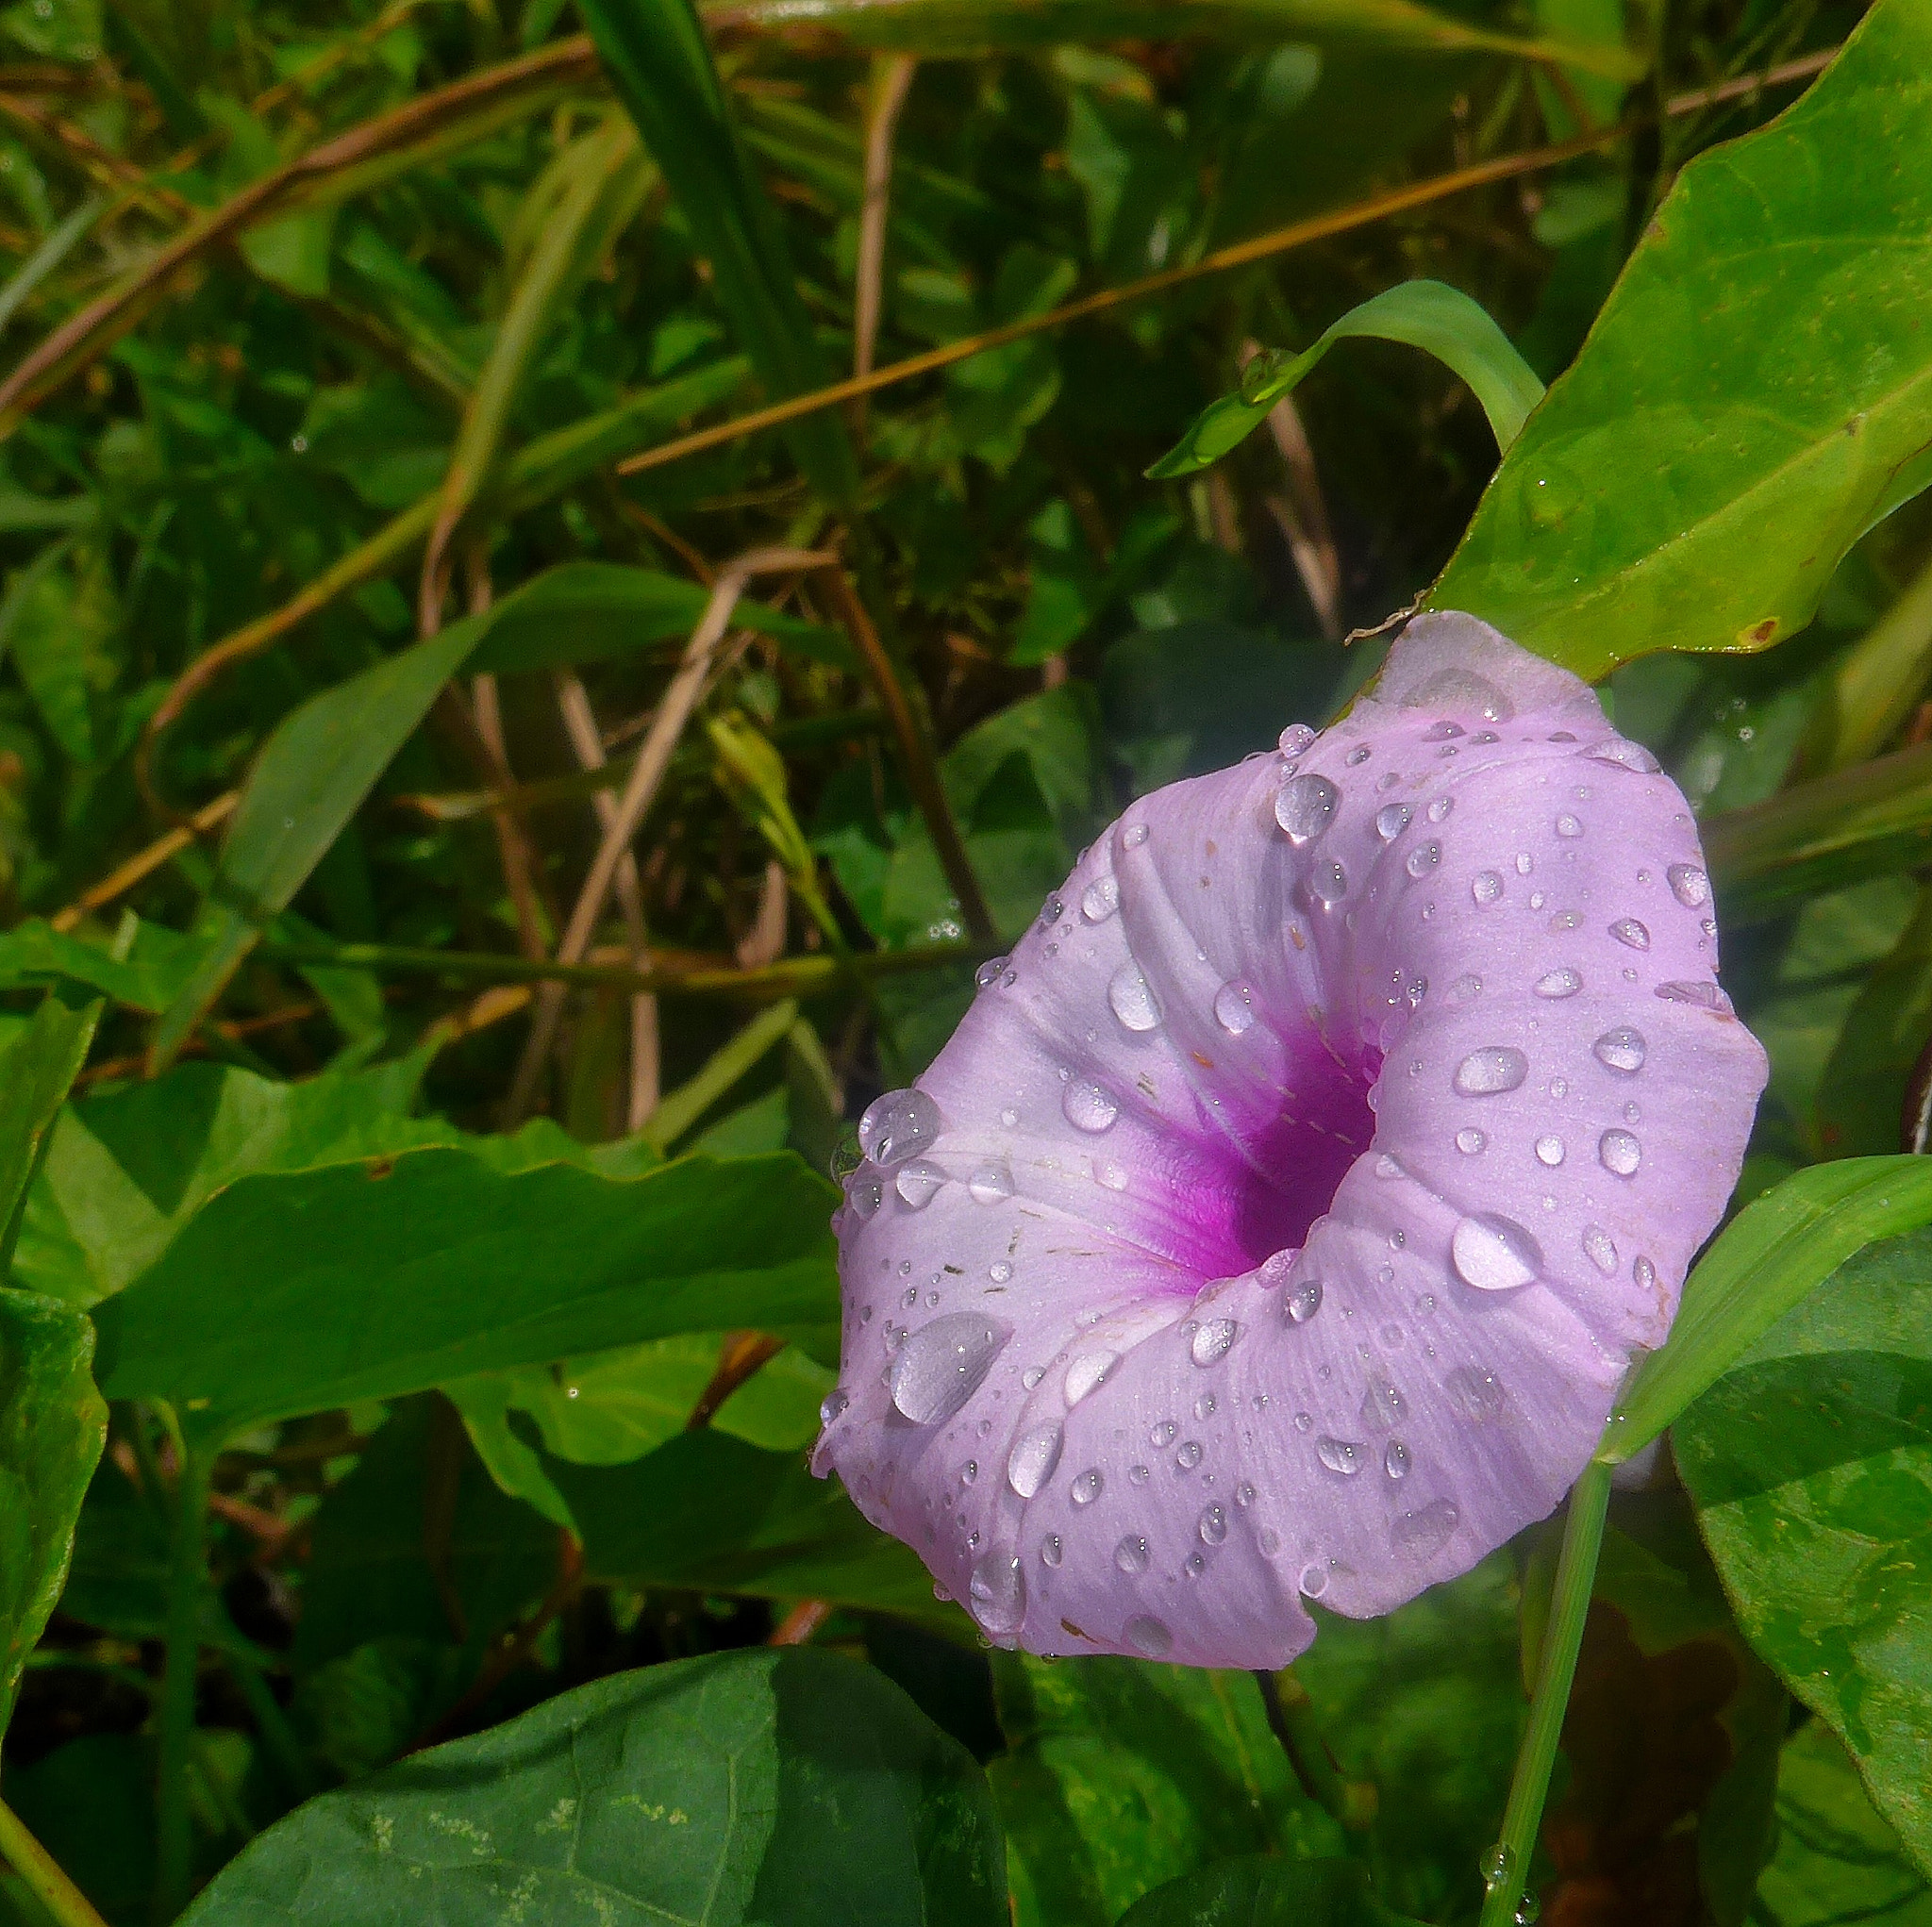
{"x": 42, "y": 1873}
{"x": 187, "y": 1576}
{"x": 1583, "y": 1536}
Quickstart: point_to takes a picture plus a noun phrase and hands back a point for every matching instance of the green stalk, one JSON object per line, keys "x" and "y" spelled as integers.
{"x": 42, "y": 1872}
{"x": 187, "y": 1576}
{"x": 1352, "y": 1803}
{"x": 1507, "y": 1862}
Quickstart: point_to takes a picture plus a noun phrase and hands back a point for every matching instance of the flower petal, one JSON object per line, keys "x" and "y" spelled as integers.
{"x": 1283, "y": 1216}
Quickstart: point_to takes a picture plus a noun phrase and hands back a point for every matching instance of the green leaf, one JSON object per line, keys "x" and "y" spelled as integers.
{"x": 37, "y": 1070}
{"x": 1257, "y": 1892}
{"x": 1750, "y": 399}
{"x": 659, "y": 63}
{"x": 396, "y": 1276}
{"x": 1809, "y": 1463}
{"x": 1123, "y": 1775}
{"x": 713, "y": 1514}
{"x": 1426, "y": 1706}
{"x": 1429, "y": 315}
{"x": 1837, "y": 1861}
{"x": 323, "y": 760}
{"x": 1861, "y": 1096}
{"x": 1769, "y": 1257}
{"x": 52, "y": 1427}
{"x": 746, "y": 1787}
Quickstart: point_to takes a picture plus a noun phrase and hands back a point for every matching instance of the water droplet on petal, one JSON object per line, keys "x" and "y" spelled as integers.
{"x": 1305, "y": 806}
{"x": 999, "y": 1271}
{"x": 1164, "y": 1434}
{"x": 1620, "y": 1153}
{"x": 988, "y": 974}
{"x": 991, "y": 1184}
{"x": 1304, "y": 1302}
{"x": 1329, "y": 882}
{"x": 1469, "y": 1141}
{"x": 1439, "y": 810}
{"x": 1644, "y": 1272}
{"x": 1491, "y": 1070}
{"x": 1234, "y": 1009}
{"x": 1342, "y": 1457}
{"x": 867, "y": 1194}
{"x": 1568, "y": 825}
{"x": 1134, "y": 835}
{"x": 1033, "y": 1459}
{"x": 1131, "y": 1554}
{"x": 1088, "y": 1107}
{"x": 1087, "y": 1372}
{"x": 1211, "y": 1341}
{"x": 1706, "y": 995}
{"x": 1086, "y": 1489}
{"x": 1549, "y": 1151}
{"x": 1563, "y": 983}
{"x": 1296, "y": 737}
{"x": 1213, "y": 1526}
{"x": 997, "y": 1592}
{"x": 1600, "y": 1249}
{"x": 1424, "y": 858}
{"x": 1494, "y": 1254}
{"x": 1190, "y": 1455}
{"x": 1050, "y": 1553}
{"x": 898, "y": 1125}
{"x": 1131, "y": 1000}
{"x": 941, "y": 1364}
{"x": 1395, "y": 1459}
{"x": 1485, "y": 885}
{"x": 1053, "y": 908}
{"x": 919, "y": 1182}
{"x": 1688, "y": 885}
{"x": 1629, "y": 930}
{"x": 1391, "y": 820}
{"x": 1314, "y": 1580}
{"x": 1444, "y": 731}
{"x": 1621, "y": 1049}
{"x": 1626, "y": 755}
{"x": 1100, "y": 900}
{"x": 1478, "y": 1394}
{"x": 1149, "y": 1638}
{"x": 836, "y": 1402}
{"x": 1424, "y": 1532}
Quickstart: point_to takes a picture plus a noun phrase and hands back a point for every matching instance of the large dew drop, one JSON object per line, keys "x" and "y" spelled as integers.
{"x": 1234, "y": 1009}
{"x": 1620, "y": 1153}
{"x": 997, "y": 1590}
{"x": 1621, "y": 1049}
{"x": 919, "y": 1181}
{"x": 898, "y": 1125}
{"x": 1424, "y": 1532}
{"x": 1088, "y": 1373}
{"x": 1088, "y": 1107}
{"x": 1305, "y": 806}
{"x": 1688, "y": 885}
{"x": 991, "y": 1184}
{"x": 943, "y": 1364}
{"x": 1342, "y": 1457}
{"x": 1211, "y": 1341}
{"x": 1033, "y": 1459}
{"x": 1560, "y": 983}
{"x": 1100, "y": 900}
{"x": 1494, "y": 1254}
{"x": 1131, "y": 1000}
{"x": 1491, "y": 1070}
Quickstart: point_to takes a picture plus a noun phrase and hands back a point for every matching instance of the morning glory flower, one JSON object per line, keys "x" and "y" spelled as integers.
{"x": 1284, "y": 1215}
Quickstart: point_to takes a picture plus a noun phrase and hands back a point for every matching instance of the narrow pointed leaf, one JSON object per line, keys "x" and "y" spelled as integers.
{"x": 1429, "y": 315}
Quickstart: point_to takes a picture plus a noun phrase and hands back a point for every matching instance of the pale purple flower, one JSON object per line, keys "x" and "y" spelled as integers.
{"x": 1283, "y": 1216}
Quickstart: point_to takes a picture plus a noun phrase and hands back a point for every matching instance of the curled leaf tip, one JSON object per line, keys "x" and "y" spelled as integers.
{"x": 1283, "y": 1216}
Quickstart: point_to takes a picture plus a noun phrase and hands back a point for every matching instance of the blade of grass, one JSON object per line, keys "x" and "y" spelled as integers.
{"x": 681, "y": 1108}
{"x": 661, "y": 66}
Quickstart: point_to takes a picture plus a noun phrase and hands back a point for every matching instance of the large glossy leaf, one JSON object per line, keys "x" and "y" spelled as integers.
{"x": 1837, "y": 1861}
{"x": 1776, "y": 1251}
{"x": 1123, "y": 1775}
{"x": 294, "y": 1293}
{"x": 661, "y": 66}
{"x": 1257, "y": 1892}
{"x": 1810, "y": 1464}
{"x": 52, "y": 1427}
{"x": 323, "y": 760}
{"x": 1754, "y": 395}
{"x": 1430, "y": 315}
{"x": 766, "y": 1787}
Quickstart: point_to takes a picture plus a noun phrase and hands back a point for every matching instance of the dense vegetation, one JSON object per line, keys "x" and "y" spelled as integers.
{"x": 472, "y": 837}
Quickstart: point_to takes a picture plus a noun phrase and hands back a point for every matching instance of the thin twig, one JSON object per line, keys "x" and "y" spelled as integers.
{"x": 797, "y": 1627}
{"x": 144, "y": 864}
{"x": 687, "y": 687}
{"x": 1302, "y": 515}
{"x": 891, "y": 81}
{"x": 587, "y": 744}
{"x": 741, "y": 1357}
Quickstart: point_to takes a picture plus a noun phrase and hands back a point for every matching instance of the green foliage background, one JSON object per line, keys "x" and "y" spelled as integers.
{"x": 498, "y": 766}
